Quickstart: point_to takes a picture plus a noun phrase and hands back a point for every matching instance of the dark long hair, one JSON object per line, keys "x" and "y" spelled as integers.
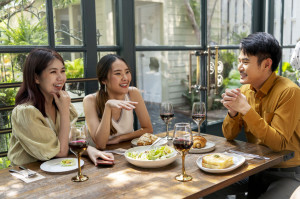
{"x": 35, "y": 63}
{"x": 103, "y": 67}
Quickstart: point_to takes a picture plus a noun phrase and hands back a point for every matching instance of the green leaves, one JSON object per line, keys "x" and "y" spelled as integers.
{"x": 74, "y": 69}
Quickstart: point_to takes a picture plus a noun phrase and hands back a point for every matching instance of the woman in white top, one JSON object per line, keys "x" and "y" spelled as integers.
{"x": 108, "y": 112}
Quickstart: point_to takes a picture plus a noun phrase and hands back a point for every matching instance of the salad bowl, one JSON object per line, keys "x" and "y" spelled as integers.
{"x": 159, "y": 156}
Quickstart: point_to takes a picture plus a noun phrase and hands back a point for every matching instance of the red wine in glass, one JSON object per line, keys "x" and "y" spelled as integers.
{"x": 198, "y": 118}
{"x": 167, "y": 117}
{"x": 78, "y": 146}
{"x": 182, "y": 145}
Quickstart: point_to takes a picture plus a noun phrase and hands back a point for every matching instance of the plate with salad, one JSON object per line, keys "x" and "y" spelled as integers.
{"x": 154, "y": 158}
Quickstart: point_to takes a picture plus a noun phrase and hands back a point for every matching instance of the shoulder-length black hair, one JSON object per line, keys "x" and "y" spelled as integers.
{"x": 35, "y": 63}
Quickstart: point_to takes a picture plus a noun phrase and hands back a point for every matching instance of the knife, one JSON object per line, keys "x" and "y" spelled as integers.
{"x": 249, "y": 155}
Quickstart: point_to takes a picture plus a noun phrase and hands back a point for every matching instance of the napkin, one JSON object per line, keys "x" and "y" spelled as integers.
{"x": 27, "y": 179}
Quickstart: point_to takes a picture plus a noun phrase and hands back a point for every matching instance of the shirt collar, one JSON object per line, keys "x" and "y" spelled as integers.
{"x": 263, "y": 91}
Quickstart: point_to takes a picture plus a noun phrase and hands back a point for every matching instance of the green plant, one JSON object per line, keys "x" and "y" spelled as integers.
{"x": 289, "y": 72}
{"x": 74, "y": 69}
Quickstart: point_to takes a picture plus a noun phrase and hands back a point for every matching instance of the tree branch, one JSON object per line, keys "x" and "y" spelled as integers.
{"x": 192, "y": 19}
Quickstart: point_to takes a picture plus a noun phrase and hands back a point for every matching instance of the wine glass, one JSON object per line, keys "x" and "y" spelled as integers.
{"x": 183, "y": 141}
{"x": 167, "y": 114}
{"x": 199, "y": 114}
{"x": 78, "y": 144}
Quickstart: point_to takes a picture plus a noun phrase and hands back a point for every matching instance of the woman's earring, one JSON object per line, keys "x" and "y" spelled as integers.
{"x": 105, "y": 88}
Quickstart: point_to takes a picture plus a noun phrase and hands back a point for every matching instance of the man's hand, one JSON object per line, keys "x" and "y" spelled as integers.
{"x": 235, "y": 102}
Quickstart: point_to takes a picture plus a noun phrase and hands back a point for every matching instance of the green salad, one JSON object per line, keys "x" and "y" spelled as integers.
{"x": 159, "y": 153}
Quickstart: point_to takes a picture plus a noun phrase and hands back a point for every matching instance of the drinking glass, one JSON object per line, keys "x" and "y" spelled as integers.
{"x": 167, "y": 114}
{"x": 78, "y": 144}
{"x": 183, "y": 141}
{"x": 199, "y": 114}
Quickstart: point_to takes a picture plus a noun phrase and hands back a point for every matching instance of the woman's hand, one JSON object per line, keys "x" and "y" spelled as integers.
{"x": 94, "y": 154}
{"x": 115, "y": 140}
{"x": 121, "y": 104}
{"x": 62, "y": 100}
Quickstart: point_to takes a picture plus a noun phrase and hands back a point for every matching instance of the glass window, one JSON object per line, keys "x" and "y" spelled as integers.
{"x": 11, "y": 67}
{"x": 287, "y": 70}
{"x": 169, "y": 23}
{"x": 291, "y": 23}
{"x": 23, "y": 23}
{"x": 68, "y": 22}
{"x": 228, "y": 21}
{"x": 105, "y": 22}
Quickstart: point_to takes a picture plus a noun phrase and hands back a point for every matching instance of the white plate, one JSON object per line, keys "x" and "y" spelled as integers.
{"x": 162, "y": 142}
{"x": 54, "y": 165}
{"x": 149, "y": 163}
{"x": 238, "y": 160}
{"x": 208, "y": 147}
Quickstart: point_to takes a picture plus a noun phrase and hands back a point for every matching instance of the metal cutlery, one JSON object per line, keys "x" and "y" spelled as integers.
{"x": 29, "y": 172}
{"x": 116, "y": 151}
{"x": 154, "y": 143}
{"x": 25, "y": 174}
{"x": 248, "y": 155}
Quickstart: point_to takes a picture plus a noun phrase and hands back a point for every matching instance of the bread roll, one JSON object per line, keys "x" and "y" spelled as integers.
{"x": 199, "y": 142}
{"x": 217, "y": 161}
{"x": 146, "y": 139}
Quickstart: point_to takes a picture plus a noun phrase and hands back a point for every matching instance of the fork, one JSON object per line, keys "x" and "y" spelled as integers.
{"x": 29, "y": 172}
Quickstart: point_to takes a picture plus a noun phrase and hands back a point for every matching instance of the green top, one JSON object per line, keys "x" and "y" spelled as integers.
{"x": 34, "y": 137}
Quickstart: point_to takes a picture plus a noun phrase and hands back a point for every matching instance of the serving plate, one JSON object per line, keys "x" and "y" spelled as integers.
{"x": 210, "y": 146}
{"x": 55, "y": 166}
{"x": 238, "y": 160}
{"x": 149, "y": 163}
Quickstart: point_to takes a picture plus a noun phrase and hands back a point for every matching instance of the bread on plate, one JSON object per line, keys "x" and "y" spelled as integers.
{"x": 146, "y": 139}
{"x": 217, "y": 161}
{"x": 199, "y": 142}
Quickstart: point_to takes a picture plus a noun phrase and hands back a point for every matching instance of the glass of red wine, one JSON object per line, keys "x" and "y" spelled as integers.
{"x": 78, "y": 144}
{"x": 167, "y": 114}
{"x": 182, "y": 142}
{"x": 199, "y": 114}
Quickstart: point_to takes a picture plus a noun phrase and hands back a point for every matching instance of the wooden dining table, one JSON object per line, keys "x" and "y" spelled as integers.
{"x": 124, "y": 180}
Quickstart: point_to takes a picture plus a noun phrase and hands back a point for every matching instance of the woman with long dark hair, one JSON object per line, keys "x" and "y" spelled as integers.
{"x": 109, "y": 111}
{"x": 43, "y": 114}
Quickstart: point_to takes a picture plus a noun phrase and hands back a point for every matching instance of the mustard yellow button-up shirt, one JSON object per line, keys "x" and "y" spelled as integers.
{"x": 274, "y": 117}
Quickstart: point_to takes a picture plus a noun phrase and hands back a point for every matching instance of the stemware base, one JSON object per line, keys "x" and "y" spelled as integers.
{"x": 183, "y": 178}
{"x": 81, "y": 178}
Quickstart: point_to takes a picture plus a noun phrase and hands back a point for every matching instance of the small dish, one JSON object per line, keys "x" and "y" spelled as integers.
{"x": 55, "y": 166}
{"x": 210, "y": 146}
{"x": 238, "y": 160}
{"x": 162, "y": 142}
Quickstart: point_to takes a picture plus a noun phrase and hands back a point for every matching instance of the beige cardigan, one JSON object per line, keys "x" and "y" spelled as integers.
{"x": 34, "y": 137}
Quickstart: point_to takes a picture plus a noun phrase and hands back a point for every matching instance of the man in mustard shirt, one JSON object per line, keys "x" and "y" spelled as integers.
{"x": 267, "y": 106}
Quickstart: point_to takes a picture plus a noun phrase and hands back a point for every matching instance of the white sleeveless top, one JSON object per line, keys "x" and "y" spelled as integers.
{"x": 124, "y": 124}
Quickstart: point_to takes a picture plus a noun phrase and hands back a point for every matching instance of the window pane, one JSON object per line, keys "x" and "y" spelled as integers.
{"x": 105, "y": 22}
{"x": 166, "y": 22}
{"x": 277, "y": 19}
{"x": 291, "y": 25}
{"x": 228, "y": 21}
{"x": 287, "y": 69}
{"x": 11, "y": 67}
{"x": 68, "y": 22}
{"x": 24, "y": 23}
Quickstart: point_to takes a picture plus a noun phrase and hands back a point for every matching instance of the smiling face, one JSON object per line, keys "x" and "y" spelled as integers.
{"x": 118, "y": 79}
{"x": 52, "y": 79}
{"x": 251, "y": 72}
